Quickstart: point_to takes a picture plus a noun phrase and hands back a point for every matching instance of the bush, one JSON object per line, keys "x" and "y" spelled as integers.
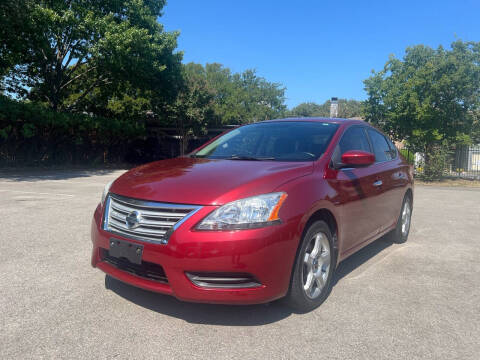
{"x": 32, "y": 134}
{"x": 408, "y": 155}
{"x": 435, "y": 163}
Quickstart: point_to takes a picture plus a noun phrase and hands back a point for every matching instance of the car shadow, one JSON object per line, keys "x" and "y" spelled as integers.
{"x": 231, "y": 315}
{"x": 33, "y": 174}
{"x": 196, "y": 313}
{"x": 360, "y": 257}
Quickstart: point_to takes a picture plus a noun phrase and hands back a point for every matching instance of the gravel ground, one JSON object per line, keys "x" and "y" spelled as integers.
{"x": 419, "y": 300}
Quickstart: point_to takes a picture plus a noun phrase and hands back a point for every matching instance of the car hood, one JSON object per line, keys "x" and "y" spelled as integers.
{"x": 188, "y": 180}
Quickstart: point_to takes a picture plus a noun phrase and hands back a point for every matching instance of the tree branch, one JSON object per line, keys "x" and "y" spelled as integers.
{"x": 74, "y": 67}
{"x": 70, "y": 58}
{"x": 44, "y": 55}
{"x": 77, "y": 77}
{"x": 87, "y": 91}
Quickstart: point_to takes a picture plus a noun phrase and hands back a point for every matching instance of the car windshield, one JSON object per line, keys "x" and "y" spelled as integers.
{"x": 276, "y": 141}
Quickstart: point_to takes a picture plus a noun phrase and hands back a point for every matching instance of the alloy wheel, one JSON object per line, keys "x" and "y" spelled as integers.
{"x": 316, "y": 265}
{"x": 406, "y": 217}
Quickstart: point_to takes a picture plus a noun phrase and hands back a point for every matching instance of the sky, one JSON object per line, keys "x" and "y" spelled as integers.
{"x": 316, "y": 49}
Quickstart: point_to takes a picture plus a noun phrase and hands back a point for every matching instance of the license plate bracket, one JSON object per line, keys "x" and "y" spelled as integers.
{"x": 124, "y": 249}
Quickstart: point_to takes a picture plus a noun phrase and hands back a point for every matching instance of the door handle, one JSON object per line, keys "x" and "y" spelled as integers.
{"x": 378, "y": 183}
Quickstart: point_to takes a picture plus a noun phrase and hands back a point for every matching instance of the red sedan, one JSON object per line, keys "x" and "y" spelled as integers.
{"x": 262, "y": 212}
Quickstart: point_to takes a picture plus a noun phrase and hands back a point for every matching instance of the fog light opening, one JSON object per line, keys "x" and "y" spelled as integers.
{"x": 223, "y": 280}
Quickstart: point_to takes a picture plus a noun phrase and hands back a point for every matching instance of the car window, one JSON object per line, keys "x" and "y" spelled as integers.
{"x": 277, "y": 141}
{"x": 381, "y": 149}
{"x": 393, "y": 148}
{"x": 354, "y": 139}
{"x": 246, "y": 145}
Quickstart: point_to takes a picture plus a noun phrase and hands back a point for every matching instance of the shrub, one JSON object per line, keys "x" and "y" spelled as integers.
{"x": 435, "y": 163}
{"x": 32, "y": 134}
{"x": 408, "y": 155}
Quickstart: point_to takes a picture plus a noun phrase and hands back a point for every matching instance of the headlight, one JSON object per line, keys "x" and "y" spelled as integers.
{"x": 248, "y": 213}
{"x": 106, "y": 190}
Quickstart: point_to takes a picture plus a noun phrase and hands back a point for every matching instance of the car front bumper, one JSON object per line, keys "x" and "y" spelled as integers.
{"x": 266, "y": 254}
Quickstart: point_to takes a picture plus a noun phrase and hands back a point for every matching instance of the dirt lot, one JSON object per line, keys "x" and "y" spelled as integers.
{"x": 410, "y": 301}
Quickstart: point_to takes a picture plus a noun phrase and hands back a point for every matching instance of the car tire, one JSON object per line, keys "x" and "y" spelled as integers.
{"x": 400, "y": 234}
{"x": 313, "y": 270}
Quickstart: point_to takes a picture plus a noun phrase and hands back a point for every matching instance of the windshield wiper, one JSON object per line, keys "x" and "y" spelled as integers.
{"x": 248, "y": 157}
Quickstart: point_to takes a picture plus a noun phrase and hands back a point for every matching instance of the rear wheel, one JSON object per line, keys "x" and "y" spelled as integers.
{"x": 400, "y": 233}
{"x": 314, "y": 268}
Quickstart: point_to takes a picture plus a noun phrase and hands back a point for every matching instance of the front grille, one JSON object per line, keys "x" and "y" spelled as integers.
{"x": 147, "y": 220}
{"x": 146, "y": 270}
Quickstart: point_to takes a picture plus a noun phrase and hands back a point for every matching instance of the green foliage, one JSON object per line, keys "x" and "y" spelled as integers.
{"x": 86, "y": 46}
{"x": 13, "y": 23}
{"x": 408, "y": 155}
{"x": 32, "y": 133}
{"x": 429, "y": 96}
{"x": 346, "y": 109}
{"x": 5, "y": 131}
{"x": 28, "y": 130}
{"x": 119, "y": 101}
{"x": 435, "y": 163}
{"x": 211, "y": 96}
{"x": 190, "y": 111}
{"x": 239, "y": 98}
{"x": 87, "y": 73}
{"x": 309, "y": 109}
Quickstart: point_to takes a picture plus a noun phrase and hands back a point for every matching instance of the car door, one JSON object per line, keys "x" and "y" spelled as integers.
{"x": 386, "y": 172}
{"x": 356, "y": 191}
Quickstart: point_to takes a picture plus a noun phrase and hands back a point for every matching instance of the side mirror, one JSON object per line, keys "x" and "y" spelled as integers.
{"x": 357, "y": 158}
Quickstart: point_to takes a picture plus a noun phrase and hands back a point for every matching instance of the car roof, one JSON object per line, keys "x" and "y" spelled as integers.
{"x": 319, "y": 119}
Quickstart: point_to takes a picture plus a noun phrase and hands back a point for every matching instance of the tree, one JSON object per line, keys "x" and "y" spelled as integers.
{"x": 212, "y": 95}
{"x": 346, "y": 109}
{"x": 120, "y": 99}
{"x": 309, "y": 109}
{"x": 192, "y": 108}
{"x": 242, "y": 97}
{"x": 429, "y": 98}
{"x": 259, "y": 98}
{"x": 349, "y": 108}
{"x": 14, "y": 23}
{"x": 89, "y": 46}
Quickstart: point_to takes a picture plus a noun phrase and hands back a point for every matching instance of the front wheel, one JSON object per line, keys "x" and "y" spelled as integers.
{"x": 314, "y": 268}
